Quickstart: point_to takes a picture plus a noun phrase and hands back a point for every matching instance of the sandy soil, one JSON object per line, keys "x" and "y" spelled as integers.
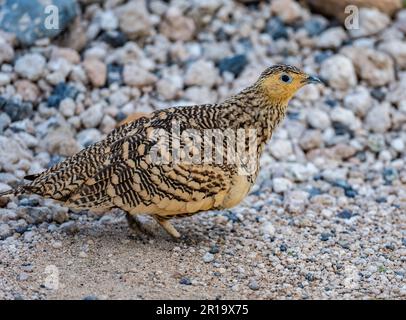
{"x": 104, "y": 259}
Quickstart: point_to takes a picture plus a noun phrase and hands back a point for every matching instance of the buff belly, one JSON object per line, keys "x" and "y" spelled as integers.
{"x": 169, "y": 208}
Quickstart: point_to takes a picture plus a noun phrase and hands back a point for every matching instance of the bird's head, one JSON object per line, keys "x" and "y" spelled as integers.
{"x": 280, "y": 82}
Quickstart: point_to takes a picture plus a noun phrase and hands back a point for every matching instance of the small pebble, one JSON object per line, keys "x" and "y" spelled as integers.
{"x": 185, "y": 281}
{"x": 345, "y": 214}
{"x": 208, "y": 257}
{"x": 253, "y": 285}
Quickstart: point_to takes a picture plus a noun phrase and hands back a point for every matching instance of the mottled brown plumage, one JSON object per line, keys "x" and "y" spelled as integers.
{"x": 121, "y": 171}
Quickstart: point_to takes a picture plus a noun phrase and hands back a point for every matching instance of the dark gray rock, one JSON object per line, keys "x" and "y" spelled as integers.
{"x": 315, "y": 26}
{"x": 378, "y": 94}
{"x": 185, "y": 281}
{"x": 309, "y": 277}
{"x": 345, "y": 214}
{"x": 29, "y": 202}
{"x": 325, "y": 236}
{"x": 321, "y": 56}
{"x": 114, "y": 38}
{"x": 348, "y": 189}
{"x": 235, "y": 64}
{"x": 61, "y": 91}
{"x": 276, "y": 28}
{"x": 214, "y": 249}
{"x": 15, "y": 109}
{"x": 26, "y": 18}
{"x": 381, "y": 200}
{"x": 34, "y": 215}
{"x": 114, "y": 73}
{"x": 20, "y": 226}
{"x": 389, "y": 175}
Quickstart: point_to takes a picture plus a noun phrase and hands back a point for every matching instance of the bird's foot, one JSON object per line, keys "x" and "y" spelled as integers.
{"x": 166, "y": 224}
{"x": 137, "y": 225}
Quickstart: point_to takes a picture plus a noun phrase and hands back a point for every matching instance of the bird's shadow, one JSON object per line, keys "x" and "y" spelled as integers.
{"x": 118, "y": 230}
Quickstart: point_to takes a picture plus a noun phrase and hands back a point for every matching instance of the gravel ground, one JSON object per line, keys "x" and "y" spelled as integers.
{"x": 326, "y": 218}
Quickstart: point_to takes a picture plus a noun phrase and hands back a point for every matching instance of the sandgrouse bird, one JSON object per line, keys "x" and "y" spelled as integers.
{"x": 128, "y": 170}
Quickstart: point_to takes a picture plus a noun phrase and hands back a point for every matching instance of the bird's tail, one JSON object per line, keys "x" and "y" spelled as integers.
{"x": 10, "y": 192}
{"x": 6, "y": 193}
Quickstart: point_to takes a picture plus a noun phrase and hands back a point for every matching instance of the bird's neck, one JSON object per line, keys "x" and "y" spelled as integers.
{"x": 253, "y": 109}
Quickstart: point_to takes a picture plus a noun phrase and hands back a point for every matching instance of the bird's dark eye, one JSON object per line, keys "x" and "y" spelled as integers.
{"x": 286, "y": 78}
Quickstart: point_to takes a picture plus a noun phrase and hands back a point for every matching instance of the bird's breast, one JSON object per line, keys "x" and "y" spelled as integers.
{"x": 240, "y": 186}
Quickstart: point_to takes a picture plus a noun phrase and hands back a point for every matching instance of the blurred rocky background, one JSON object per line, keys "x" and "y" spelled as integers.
{"x": 327, "y": 216}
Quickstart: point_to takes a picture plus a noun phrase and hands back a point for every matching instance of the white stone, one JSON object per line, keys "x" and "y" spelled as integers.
{"x": 60, "y": 66}
{"x": 67, "y": 107}
{"x": 397, "y": 94}
{"x": 134, "y": 75}
{"x": 5, "y": 231}
{"x": 311, "y": 139}
{"x": 281, "y": 149}
{"x": 96, "y": 71}
{"x": 332, "y": 38}
{"x": 108, "y": 21}
{"x": 68, "y": 54}
{"x": 60, "y": 141}
{"x": 200, "y": 95}
{"x": 339, "y": 72}
{"x": 358, "y": 101}
{"x": 12, "y": 151}
{"x": 134, "y": 19}
{"x": 375, "y": 67}
{"x": 295, "y": 201}
{"x": 287, "y": 10}
{"x": 268, "y": 228}
{"x": 108, "y": 124}
{"x": 281, "y": 185}
{"x": 397, "y": 49}
{"x": 96, "y": 52}
{"x": 208, "y": 257}
{"x": 4, "y": 78}
{"x": 118, "y": 98}
{"x": 398, "y": 145}
{"x": 300, "y": 172}
{"x": 371, "y": 21}
{"x": 30, "y": 66}
{"x": 92, "y": 117}
{"x": 88, "y": 136}
{"x": 401, "y": 20}
{"x": 170, "y": 86}
{"x": 177, "y": 26}
{"x": 318, "y": 119}
{"x": 378, "y": 118}
{"x": 6, "y": 51}
{"x": 345, "y": 117}
{"x": 201, "y": 73}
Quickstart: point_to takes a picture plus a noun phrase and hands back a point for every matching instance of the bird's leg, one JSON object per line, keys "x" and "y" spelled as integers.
{"x": 166, "y": 224}
{"x": 135, "y": 224}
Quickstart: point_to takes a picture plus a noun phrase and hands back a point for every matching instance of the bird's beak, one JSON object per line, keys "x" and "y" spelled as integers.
{"x": 312, "y": 79}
